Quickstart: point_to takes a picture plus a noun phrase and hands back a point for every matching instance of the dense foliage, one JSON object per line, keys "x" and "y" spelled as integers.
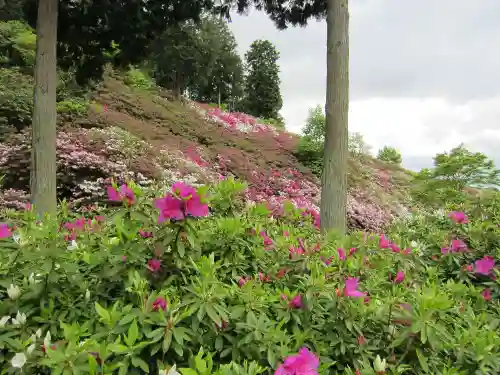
{"x": 201, "y": 58}
{"x": 310, "y": 147}
{"x": 262, "y": 82}
{"x": 389, "y": 155}
{"x": 454, "y": 177}
{"x": 147, "y": 286}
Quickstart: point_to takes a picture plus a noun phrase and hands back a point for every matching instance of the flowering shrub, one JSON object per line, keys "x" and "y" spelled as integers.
{"x": 192, "y": 282}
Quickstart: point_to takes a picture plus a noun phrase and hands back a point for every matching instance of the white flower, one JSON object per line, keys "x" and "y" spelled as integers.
{"x": 31, "y": 348}
{"x": 14, "y": 292}
{"x": 16, "y": 237}
{"x": 379, "y": 365}
{"x": 19, "y": 360}
{"x": 4, "y": 320}
{"x": 38, "y": 333}
{"x": 173, "y": 371}
{"x": 31, "y": 278}
{"x": 73, "y": 245}
{"x": 414, "y": 244}
{"x": 87, "y": 295}
{"x": 20, "y": 319}
{"x": 46, "y": 340}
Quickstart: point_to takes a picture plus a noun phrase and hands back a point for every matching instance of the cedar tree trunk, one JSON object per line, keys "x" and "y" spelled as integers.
{"x": 43, "y": 154}
{"x": 334, "y": 180}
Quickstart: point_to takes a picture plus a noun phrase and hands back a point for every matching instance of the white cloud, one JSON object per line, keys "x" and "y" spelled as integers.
{"x": 424, "y": 74}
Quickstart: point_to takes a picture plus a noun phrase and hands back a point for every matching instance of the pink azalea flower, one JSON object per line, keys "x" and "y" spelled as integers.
{"x": 341, "y": 253}
{"x": 267, "y": 240}
{"x": 395, "y": 248}
{"x": 154, "y": 265}
{"x": 383, "y": 242}
{"x": 295, "y": 251}
{"x": 296, "y": 302}
{"x": 242, "y": 281}
{"x": 326, "y": 261}
{"x": 485, "y": 265}
{"x": 457, "y": 245}
{"x": 486, "y": 294}
{"x": 195, "y": 207}
{"x": 400, "y": 277}
{"x": 352, "y": 250}
{"x": 124, "y": 194}
{"x": 159, "y": 303}
{"x": 303, "y": 363}
{"x": 186, "y": 201}
{"x": 5, "y": 231}
{"x": 351, "y": 288}
{"x": 458, "y": 217}
{"x": 286, "y": 233}
{"x": 170, "y": 208}
{"x": 145, "y": 234}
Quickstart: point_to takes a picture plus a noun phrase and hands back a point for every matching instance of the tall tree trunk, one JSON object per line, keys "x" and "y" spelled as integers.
{"x": 43, "y": 162}
{"x": 334, "y": 180}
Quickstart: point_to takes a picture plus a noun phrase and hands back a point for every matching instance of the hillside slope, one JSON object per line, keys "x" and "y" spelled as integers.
{"x": 144, "y": 135}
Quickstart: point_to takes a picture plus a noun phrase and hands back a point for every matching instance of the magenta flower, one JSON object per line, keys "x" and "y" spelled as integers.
{"x": 186, "y": 201}
{"x": 485, "y": 265}
{"x": 458, "y": 217}
{"x": 395, "y": 248}
{"x": 267, "y": 240}
{"x": 145, "y": 234}
{"x": 486, "y": 294}
{"x": 326, "y": 261}
{"x": 124, "y": 194}
{"x": 400, "y": 277}
{"x": 303, "y": 363}
{"x": 295, "y": 251}
{"x": 242, "y": 281}
{"x": 351, "y": 288}
{"x": 5, "y": 231}
{"x": 296, "y": 302}
{"x": 154, "y": 265}
{"x": 160, "y": 303}
{"x": 170, "y": 208}
{"x": 341, "y": 253}
{"x": 383, "y": 242}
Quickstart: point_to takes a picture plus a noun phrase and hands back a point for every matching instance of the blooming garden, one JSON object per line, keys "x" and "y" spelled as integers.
{"x": 198, "y": 281}
{"x": 195, "y": 250}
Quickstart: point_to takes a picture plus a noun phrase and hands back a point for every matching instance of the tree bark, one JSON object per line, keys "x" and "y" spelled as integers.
{"x": 43, "y": 154}
{"x": 334, "y": 180}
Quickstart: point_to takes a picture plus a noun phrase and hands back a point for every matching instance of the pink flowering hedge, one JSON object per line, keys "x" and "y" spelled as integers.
{"x": 195, "y": 279}
{"x": 228, "y": 144}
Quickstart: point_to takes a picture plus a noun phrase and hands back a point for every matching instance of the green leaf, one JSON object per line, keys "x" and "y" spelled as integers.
{"x": 167, "y": 341}
{"x": 423, "y": 360}
{"x": 213, "y": 314}
{"x": 188, "y": 371}
{"x": 201, "y": 365}
{"x": 92, "y": 365}
{"x": 103, "y": 313}
{"x": 178, "y": 336}
{"x": 138, "y": 362}
{"x": 124, "y": 368}
{"x": 133, "y": 334}
{"x": 180, "y": 248}
{"x": 126, "y": 319}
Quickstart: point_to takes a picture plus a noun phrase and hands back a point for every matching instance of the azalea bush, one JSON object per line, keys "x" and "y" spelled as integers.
{"x": 196, "y": 281}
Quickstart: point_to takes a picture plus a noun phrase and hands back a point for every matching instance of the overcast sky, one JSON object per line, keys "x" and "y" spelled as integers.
{"x": 425, "y": 74}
